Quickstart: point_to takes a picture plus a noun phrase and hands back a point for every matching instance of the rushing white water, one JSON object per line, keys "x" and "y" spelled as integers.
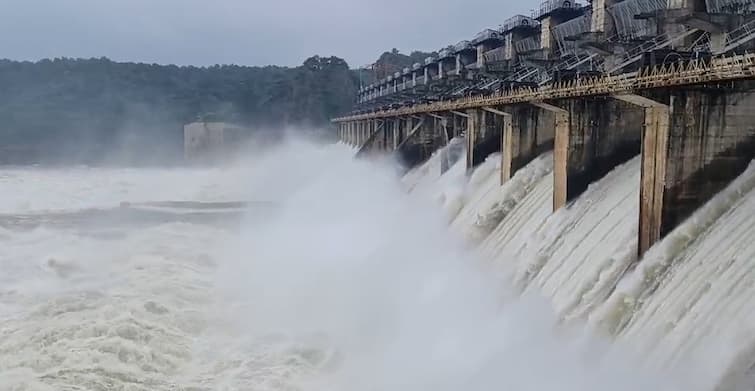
{"x": 344, "y": 282}
{"x": 486, "y": 203}
{"x": 577, "y": 257}
{"x": 690, "y": 300}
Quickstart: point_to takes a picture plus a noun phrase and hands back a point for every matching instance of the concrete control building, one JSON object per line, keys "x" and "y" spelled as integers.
{"x": 210, "y": 141}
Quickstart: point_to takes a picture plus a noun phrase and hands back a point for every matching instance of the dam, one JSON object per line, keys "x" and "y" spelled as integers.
{"x": 598, "y": 84}
{"x": 564, "y": 202}
{"x": 599, "y": 156}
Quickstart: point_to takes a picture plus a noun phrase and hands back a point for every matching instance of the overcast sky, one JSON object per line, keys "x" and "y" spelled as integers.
{"x": 247, "y": 32}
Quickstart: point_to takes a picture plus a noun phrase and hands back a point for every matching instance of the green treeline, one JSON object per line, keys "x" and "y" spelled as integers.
{"x": 90, "y": 110}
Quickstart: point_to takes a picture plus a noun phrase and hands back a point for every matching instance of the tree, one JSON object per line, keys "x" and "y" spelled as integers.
{"x": 55, "y": 109}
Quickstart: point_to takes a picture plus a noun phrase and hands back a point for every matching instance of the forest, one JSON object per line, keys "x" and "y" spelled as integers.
{"x": 92, "y": 110}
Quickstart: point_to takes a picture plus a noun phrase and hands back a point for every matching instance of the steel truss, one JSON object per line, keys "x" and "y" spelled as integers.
{"x": 699, "y": 71}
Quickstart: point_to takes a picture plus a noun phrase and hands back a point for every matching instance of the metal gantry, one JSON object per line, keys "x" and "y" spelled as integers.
{"x": 697, "y": 71}
{"x": 562, "y": 35}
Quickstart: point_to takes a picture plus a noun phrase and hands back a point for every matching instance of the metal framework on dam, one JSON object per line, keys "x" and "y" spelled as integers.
{"x": 697, "y": 71}
{"x": 672, "y": 80}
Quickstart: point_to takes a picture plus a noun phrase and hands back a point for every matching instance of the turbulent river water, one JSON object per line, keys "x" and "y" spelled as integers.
{"x": 303, "y": 269}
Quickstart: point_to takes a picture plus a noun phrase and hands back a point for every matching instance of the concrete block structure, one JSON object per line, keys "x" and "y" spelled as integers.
{"x": 210, "y": 141}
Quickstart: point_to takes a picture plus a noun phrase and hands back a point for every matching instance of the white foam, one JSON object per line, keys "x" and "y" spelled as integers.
{"x": 352, "y": 284}
{"x": 690, "y": 299}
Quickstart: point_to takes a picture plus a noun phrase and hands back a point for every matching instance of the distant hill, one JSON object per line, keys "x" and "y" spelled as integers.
{"x": 86, "y": 110}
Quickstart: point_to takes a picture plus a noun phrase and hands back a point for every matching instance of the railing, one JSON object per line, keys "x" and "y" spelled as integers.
{"x": 739, "y": 36}
{"x": 573, "y": 62}
{"x": 733, "y": 39}
{"x": 730, "y": 6}
{"x": 701, "y": 44}
{"x": 656, "y": 43}
{"x": 723, "y": 68}
{"x": 524, "y": 74}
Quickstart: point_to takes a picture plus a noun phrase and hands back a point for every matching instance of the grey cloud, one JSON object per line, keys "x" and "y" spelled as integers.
{"x": 249, "y": 32}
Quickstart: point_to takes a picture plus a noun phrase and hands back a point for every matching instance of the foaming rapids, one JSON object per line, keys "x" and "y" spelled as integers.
{"x": 350, "y": 279}
{"x": 684, "y": 308}
{"x": 348, "y": 283}
{"x": 393, "y": 298}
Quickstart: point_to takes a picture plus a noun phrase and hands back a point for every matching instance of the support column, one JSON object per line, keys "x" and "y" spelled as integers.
{"x": 381, "y": 126}
{"x": 530, "y": 134}
{"x": 560, "y": 152}
{"x": 485, "y": 137}
{"x": 411, "y": 150}
{"x": 505, "y": 140}
{"x": 387, "y": 134}
{"x": 656, "y": 125}
{"x": 473, "y": 127}
{"x": 509, "y": 147}
{"x": 446, "y": 134}
{"x": 381, "y": 134}
{"x": 396, "y": 132}
{"x": 408, "y": 126}
{"x": 654, "y": 159}
{"x": 692, "y": 149}
{"x": 601, "y": 134}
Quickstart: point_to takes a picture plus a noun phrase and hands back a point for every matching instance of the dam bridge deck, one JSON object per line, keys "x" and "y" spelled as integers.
{"x": 692, "y": 122}
{"x": 724, "y": 68}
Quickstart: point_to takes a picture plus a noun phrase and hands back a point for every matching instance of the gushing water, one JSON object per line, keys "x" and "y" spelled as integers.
{"x": 339, "y": 280}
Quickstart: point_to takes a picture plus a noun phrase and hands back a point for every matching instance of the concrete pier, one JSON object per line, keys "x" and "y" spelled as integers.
{"x": 692, "y": 149}
{"x": 530, "y": 134}
{"x": 484, "y": 132}
{"x": 601, "y": 134}
{"x": 426, "y": 136}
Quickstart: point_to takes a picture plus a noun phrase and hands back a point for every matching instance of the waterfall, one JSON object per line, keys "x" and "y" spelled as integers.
{"x": 686, "y": 304}
{"x": 338, "y": 276}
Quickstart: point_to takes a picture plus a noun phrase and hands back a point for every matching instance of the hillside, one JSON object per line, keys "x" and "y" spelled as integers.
{"x": 86, "y": 110}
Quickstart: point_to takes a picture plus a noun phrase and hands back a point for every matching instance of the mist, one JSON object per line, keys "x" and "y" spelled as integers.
{"x": 98, "y": 112}
{"x": 345, "y": 281}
